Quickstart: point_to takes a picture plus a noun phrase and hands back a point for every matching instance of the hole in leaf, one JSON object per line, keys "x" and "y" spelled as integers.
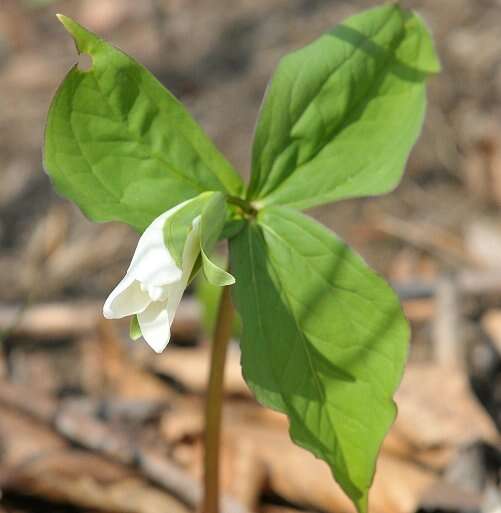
{"x": 84, "y": 62}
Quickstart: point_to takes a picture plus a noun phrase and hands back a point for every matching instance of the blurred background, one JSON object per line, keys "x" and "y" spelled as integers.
{"x": 91, "y": 422}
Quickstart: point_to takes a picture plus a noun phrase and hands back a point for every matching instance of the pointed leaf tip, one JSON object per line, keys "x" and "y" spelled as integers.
{"x": 68, "y": 23}
{"x": 84, "y": 39}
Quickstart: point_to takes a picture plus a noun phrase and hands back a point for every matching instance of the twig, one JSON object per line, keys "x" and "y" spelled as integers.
{"x": 446, "y": 332}
{"x": 430, "y": 237}
{"x": 73, "y": 421}
{"x": 470, "y": 282}
{"x": 50, "y": 320}
{"x": 64, "y": 320}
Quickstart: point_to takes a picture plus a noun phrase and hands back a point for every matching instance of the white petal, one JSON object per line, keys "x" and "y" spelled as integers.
{"x": 155, "y": 326}
{"x": 152, "y": 263}
{"x": 157, "y": 293}
{"x": 174, "y": 298}
{"x": 173, "y": 292}
{"x": 127, "y": 298}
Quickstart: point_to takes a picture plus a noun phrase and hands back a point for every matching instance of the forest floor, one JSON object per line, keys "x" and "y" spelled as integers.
{"x": 92, "y": 422}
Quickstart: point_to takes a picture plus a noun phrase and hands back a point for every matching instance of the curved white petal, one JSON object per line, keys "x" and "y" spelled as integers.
{"x": 155, "y": 326}
{"x": 154, "y": 285}
{"x": 152, "y": 263}
{"x": 127, "y": 298}
{"x": 157, "y": 292}
{"x": 176, "y": 290}
{"x": 175, "y": 295}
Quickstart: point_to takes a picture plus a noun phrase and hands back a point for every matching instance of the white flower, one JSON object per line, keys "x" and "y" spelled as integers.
{"x": 154, "y": 284}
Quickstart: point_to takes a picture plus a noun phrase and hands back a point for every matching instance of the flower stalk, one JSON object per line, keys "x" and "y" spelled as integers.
{"x": 246, "y": 207}
{"x": 214, "y": 403}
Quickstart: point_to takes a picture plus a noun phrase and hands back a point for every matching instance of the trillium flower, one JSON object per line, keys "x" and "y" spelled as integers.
{"x": 153, "y": 285}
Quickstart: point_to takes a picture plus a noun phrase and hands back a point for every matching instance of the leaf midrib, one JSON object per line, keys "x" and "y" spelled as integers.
{"x": 140, "y": 142}
{"x": 342, "y": 124}
{"x": 304, "y": 344}
{"x": 331, "y": 286}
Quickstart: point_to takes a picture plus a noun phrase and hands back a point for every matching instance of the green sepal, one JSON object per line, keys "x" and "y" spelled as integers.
{"x": 134, "y": 328}
{"x": 195, "y": 270}
{"x": 180, "y": 223}
{"x": 209, "y": 297}
{"x": 212, "y": 223}
{"x": 213, "y": 219}
{"x": 214, "y": 274}
{"x": 212, "y": 209}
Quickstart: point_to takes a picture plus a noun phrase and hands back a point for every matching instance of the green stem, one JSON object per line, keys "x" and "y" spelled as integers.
{"x": 242, "y": 204}
{"x": 213, "y": 408}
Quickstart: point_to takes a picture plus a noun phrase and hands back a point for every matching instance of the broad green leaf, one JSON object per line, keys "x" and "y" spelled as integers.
{"x": 324, "y": 341}
{"x": 121, "y": 146}
{"x": 342, "y": 114}
{"x": 232, "y": 228}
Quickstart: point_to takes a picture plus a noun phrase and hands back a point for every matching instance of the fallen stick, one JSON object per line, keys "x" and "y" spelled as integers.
{"x": 65, "y": 320}
{"x": 62, "y": 320}
{"x": 469, "y": 281}
{"x": 50, "y": 320}
{"x": 448, "y": 346}
{"x": 73, "y": 421}
{"x": 430, "y": 237}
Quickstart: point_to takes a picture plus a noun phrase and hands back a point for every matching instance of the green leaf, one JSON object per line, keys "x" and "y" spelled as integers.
{"x": 324, "y": 341}
{"x": 121, "y": 146}
{"x": 134, "y": 328}
{"x": 342, "y": 114}
{"x": 232, "y": 228}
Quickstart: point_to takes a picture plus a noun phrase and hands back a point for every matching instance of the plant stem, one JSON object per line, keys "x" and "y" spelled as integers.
{"x": 213, "y": 408}
{"x": 246, "y": 207}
